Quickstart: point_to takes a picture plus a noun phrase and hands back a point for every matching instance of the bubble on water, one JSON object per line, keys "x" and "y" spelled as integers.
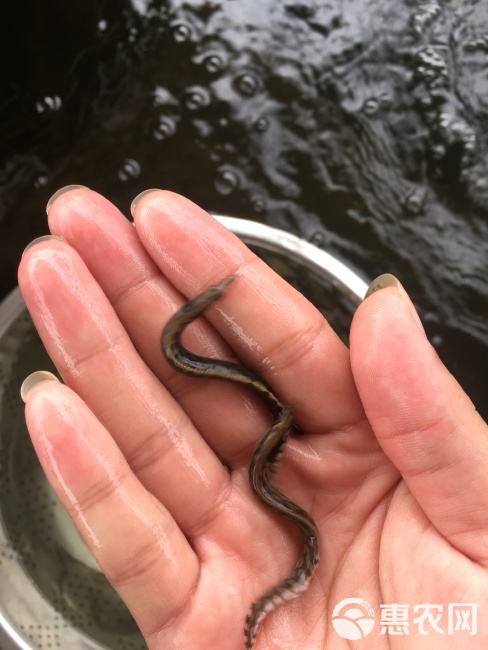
{"x": 470, "y": 141}
{"x": 439, "y": 221}
{"x": 481, "y": 184}
{"x": 181, "y": 32}
{"x": 425, "y": 16}
{"x": 477, "y": 44}
{"x": 40, "y": 181}
{"x": 258, "y": 204}
{"x": 213, "y": 63}
{"x": 415, "y": 200}
{"x": 438, "y": 151}
{"x": 197, "y": 98}
{"x": 247, "y": 84}
{"x": 128, "y": 170}
{"x": 212, "y": 60}
{"x": 432, "y": 67}
{"x": 424, "y": 99}
{"x": 163, "y": 97}
{"x": 385, "y": 100}
{"x": 455, "y": 130}
{"x": 437, "y": 340}
{"x": 49, "y": 104}
{"x": 317, "y": 238}
{"x": 227, "y": 180}
{"x": 261, "y": 124}
{"x": 166, "y": 127}
{"x": 370, "y": 106}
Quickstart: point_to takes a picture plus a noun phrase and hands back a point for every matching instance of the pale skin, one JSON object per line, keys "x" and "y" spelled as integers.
{"x": 392, "y": 462}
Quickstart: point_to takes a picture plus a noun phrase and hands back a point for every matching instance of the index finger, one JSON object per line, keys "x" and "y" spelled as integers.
{"x": 270, "y": 326}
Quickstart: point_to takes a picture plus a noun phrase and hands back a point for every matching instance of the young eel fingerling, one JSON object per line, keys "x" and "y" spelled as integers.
{"x": 265, "y": 458}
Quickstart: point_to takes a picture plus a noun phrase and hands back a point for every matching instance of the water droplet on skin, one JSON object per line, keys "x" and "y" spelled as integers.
{"x": 49, "y": 104}
{"x": 166, "y": 128}
{"x": 246, "y": 84}
{"x": 128, "y": 170}
{"x": 197, "y": 98}
{"x": 181, "y": 32}
{"x": 227, "y": 180}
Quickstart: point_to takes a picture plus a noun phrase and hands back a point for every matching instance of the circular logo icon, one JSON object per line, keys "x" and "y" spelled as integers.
{"x": 353, "y": 618}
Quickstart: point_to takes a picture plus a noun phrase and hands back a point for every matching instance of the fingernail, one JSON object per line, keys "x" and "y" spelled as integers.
{"x": 63, "y": 190}
{"x": 32, "y": 380}
{"x": 389, "y": 280}
{"x": 381, "y": 282}
{"x": 43, "y": 238}
{"x": 138, "y": 198}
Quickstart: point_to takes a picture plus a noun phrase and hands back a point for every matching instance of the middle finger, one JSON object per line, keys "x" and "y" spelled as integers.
{"x": 144, "y": 300}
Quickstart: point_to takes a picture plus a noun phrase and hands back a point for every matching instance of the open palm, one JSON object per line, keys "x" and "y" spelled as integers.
{"x": 152, "y": 465}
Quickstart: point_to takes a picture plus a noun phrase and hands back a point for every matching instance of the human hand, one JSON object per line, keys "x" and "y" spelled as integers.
{"x": 392, "y": 461}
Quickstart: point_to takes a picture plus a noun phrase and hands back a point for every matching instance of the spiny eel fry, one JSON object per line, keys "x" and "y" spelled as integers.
{"x": 265, "y": 458}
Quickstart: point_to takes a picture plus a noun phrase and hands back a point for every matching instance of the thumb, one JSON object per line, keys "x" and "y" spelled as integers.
{"x": 423, "y": 420}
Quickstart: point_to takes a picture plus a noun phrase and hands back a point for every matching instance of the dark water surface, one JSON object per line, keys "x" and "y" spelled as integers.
{"x": 360, "y": 125}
